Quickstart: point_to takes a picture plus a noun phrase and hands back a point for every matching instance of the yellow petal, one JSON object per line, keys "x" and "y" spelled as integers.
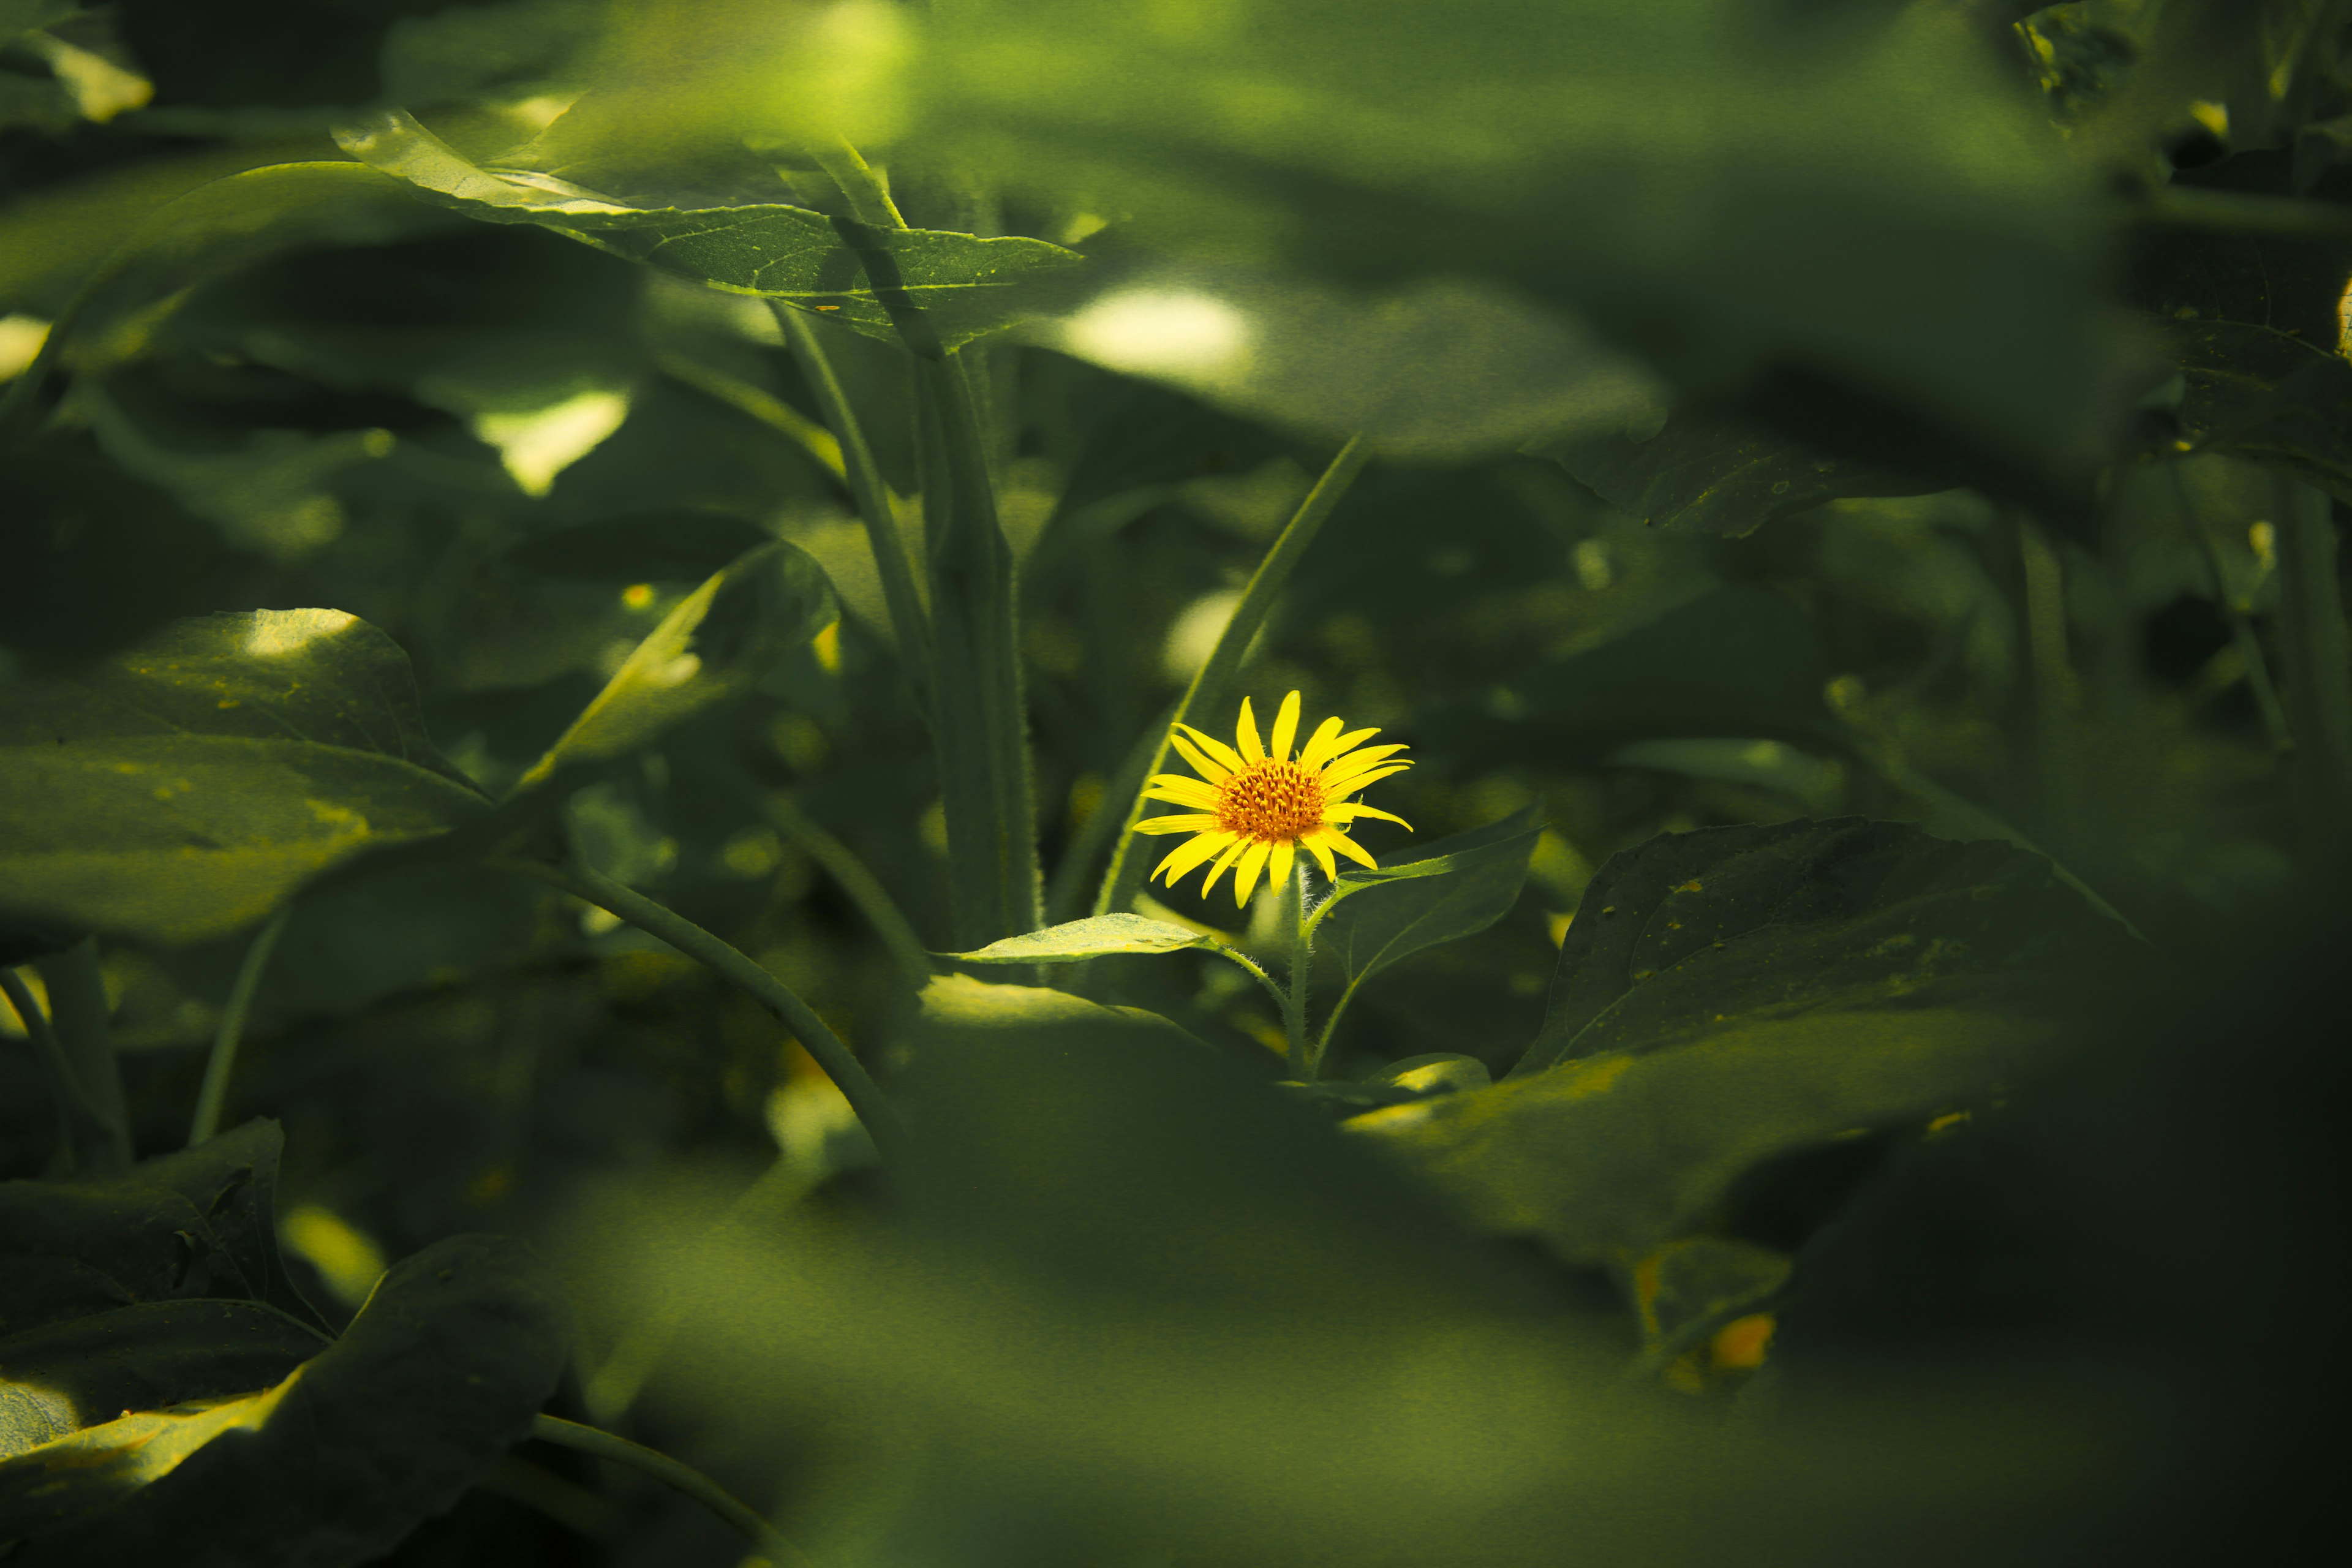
{"x": 1179, "y": 822}
{"x": 1225, "y": 755}
{"x": 1343, "y": 744}
{"x": 1286, "y": 729}
{"x": 1277, "y": 865}
{"x": 1323, "y": 747}
{"x": 1333, "y": 838}
{"x": 1252, "y": 748}
{"x": 1246, "y": 873}
{"x": 1342, "y": 788}
{"x": 1356, "y": 762}
{"x": 1208, "y": 767}
{"x": 1190, "y": 853}
{"x": 1233, "y": 852}
{"x": 1350, "y": 814}
{"x": 1322, "y": 853}
{"x": 1188, "y": 792}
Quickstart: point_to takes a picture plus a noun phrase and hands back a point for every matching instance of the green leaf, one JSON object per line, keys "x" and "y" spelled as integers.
{"x": 716, "y": 645}
{"x": 1689, "y": 929}
{"x": 1095, "y": 937}
{"x": 186, "y": 787}
{"x": 1722, "y": 474}
{"x": 1688, "y": 1289}
{"x": 961, "y": 1014}
{"x": 196, "y": 1224}
{"x": 1734, "y": 994}
{"x": 439, "y": 1375}
{"x": 877, "y": 281}
{"x": 1454, "y": 888}
{"x": 2253, "y": 392}
{"x": 1607, "y": 1158}
{"x": 668, "y": 546}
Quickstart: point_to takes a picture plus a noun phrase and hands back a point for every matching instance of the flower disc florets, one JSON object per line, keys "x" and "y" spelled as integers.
{"x": 1254, "y": 805}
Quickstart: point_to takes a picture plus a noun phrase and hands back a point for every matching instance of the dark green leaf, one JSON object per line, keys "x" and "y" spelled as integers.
{"x": 1451, "y": 889}
{"x": 79, "y": 1373}
{"x": 1094, "y": 937}
{"x": 716, "y": 645}
{"x": 185, "y": 788}
{"x": 959, "y": 286}
{"x": 2257, "y": 392}
{"x": 439, "y": 1375}
{"x": 1692, "y": 928}
{"x": 1733, "y": 995}
{"x": 1722, "y": 474}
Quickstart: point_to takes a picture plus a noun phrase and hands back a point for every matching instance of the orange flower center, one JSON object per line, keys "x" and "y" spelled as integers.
{"x": 1271, "y": 802}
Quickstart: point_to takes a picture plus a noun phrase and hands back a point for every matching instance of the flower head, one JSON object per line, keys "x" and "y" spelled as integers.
{"x": 1254, "y": 805}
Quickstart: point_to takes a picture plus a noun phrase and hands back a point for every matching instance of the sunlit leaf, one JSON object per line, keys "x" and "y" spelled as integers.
{"x": 1095, "y": 937}
{"x": 716, "y": 645}
{"x": 440, "y": 1374}
{"x": 185, "y": 787}
{"x": 960, "y": 1013}
{"x": 957, "y": 285}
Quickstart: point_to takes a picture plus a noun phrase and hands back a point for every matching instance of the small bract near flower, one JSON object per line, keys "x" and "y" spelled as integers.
{"x": 1254, "y": 805}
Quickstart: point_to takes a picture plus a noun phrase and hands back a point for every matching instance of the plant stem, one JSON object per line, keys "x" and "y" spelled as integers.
{"x": 1217, "y": 672}
{"x": 671, "y": 1473}
{"x": 2055, "y": 692}
{"x": 2319, "y": 657}
{"x": 80, "y": 1129}
{"x": 901, "y": 593}
{"x": 979, "y": 723}
{"x": 2241, "y": 630}
{"x": 730, "y": 962}
{"x": 868, "y": 200}
{"x": 1304, "y": 1061}
{"x": 868, "y": 893}
{"x": 222, "y": 1060}
{"x": 78, "y": 1012}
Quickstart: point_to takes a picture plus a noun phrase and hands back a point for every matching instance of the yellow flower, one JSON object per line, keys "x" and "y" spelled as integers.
{"x": 1255, "y": 806}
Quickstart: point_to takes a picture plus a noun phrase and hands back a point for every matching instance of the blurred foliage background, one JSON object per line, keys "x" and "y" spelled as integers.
{"x": 1931, "y": 411}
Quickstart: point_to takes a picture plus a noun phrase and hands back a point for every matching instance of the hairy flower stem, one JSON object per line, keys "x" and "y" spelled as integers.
{"x": 1304, "y": 1061}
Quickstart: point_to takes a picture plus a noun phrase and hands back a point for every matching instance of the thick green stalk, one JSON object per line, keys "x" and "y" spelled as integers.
{"x": 2319, "y": 657}
{"x": 864, "y": 890}
{"x": 1217, "y": 671}
{"x": 675, "y": 1474}
{"x": 78, "y": 1012}
{"x": 731, "y": 964}
{"x": 978, "y": 725}
{"x": 223, "y": 1060}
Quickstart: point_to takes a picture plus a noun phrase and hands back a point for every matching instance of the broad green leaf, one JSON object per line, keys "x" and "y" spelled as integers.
{"x": 185, "y": 788}
{"x": 1692, "y": 929}
{"x": 196, "y": 1224}
{"x": 886, "y": 283}
{"x": 1607, "y": 1158}
{"x": 2253, "y": 392}
{"x": 1097, "y": 936}
{"x": 1883, "y": 213}
{"x": 961, "y": 1014}
{"x": 1454, "y": 888}
{"x": 60, "y": 1379}
{"x": 1734, "y": 994}
{"x": 439, "y": 1375}
{"x": 716, "y": 645}
{"x": 1722, "y": 474}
